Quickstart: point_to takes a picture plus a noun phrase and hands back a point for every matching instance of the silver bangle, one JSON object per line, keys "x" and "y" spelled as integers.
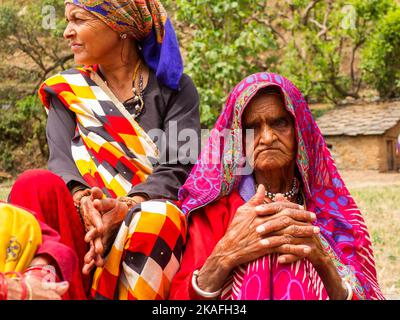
{"x": 200, "y": 292}
{"x": 349, "y": 289}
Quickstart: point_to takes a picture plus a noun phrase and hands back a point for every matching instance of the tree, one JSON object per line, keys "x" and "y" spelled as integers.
{"x": 32, "y": 49}
{"x": 322, "y": 42}
{"x": 381, "y": 56}
{"x": 222, "y": 43}
{"x": 30, "y": 33}
{"x": 317, "y": 44}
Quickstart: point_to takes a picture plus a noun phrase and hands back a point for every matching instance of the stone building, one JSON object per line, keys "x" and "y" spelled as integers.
{"x": 364, "y": 137}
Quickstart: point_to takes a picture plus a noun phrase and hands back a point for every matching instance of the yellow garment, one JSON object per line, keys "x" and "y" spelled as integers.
{"x": 20, "y": 237}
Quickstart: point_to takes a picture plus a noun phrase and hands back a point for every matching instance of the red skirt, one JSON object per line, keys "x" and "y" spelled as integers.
{"x": 47, "y": 195}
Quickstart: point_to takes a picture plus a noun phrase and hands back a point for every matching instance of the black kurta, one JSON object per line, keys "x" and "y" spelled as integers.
{"x": 161, "y": 106}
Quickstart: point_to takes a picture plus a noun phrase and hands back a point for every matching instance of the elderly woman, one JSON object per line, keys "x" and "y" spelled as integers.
{"x": 32, "y": 258}
{"x": 287, "y": 230}
{"x": 101, "y": 121}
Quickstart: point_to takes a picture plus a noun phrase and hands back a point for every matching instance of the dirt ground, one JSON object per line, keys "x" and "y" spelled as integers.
{"x": 369, "y": 188}
{"x": 360, "y": 179}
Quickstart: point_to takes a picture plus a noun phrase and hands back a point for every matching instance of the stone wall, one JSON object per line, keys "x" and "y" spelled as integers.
{"x": 364, "y": 152}
{"x": 356, "y": 153}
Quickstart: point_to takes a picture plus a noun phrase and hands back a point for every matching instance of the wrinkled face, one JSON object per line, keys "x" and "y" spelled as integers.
{"x": 274, "y": 145}
{"x": 90, "y": 39}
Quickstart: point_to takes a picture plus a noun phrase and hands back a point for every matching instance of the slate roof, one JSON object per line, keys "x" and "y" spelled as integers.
{"x": 365, "y": 119}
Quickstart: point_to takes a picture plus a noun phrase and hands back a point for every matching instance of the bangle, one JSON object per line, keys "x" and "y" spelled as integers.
{"x": 77, "y": 188}
{"x": 28, "y": 286}
{"x": 129, "y": 201}
{"x": 77, "y": 202}
{"x": 3, "y": 287}
{"x": 19, "y": 278}
{"x": 349, "y": 289}
{"x": 85, "y": 193}
{"x": 43, "y": 271}
{"x": 200, "y": 292}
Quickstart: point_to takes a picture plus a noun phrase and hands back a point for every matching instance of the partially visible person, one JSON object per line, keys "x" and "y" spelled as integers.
{"x": 34, "y": 265}
{"x": 116, "y": 198}
{"x": 288, "y": 230}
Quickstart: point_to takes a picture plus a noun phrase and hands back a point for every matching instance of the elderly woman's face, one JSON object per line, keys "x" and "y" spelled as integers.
{"x": 90, "y": 39}
{"x": 274, "y": 144}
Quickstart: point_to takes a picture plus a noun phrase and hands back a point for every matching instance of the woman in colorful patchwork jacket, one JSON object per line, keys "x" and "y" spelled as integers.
{"x": 115, "y": 131}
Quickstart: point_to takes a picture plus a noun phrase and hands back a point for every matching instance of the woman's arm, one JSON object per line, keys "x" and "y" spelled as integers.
{"x": 182, "y": 115}
{"x": 326, "y": 269}
{"x": 205, "y": 228}
{"x": 60, "y": 130}
{"x": 241, "y": 243}
{"x": 333, "y": 272}
{"x": 60, "y": 256}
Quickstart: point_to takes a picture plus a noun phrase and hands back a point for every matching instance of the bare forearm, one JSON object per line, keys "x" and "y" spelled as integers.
{"x": 214, "y": 272}
{"x": 331, "y": 279}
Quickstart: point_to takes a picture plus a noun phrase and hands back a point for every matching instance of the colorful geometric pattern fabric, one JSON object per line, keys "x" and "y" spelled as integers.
{"x": 145, "y": 256}
{"x": 338, "y": 217}
{"x": 148, "y": 22}
{"x": 110, "y": 149}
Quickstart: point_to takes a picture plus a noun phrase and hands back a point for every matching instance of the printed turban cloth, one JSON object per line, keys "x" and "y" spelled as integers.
{"x": 147, "y": 21}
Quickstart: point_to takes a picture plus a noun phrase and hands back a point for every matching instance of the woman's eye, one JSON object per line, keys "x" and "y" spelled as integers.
{"x": 281, "y": 123}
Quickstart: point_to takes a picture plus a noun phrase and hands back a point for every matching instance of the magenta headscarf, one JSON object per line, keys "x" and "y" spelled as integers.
{"x": 338, "y": 217}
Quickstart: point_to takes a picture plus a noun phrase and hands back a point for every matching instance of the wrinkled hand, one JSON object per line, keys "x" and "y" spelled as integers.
{"x": 45, "y": 290}
{"x": 112, "y": 213}
{"x": 260, "y": 228}
{"x": 41, "y": 290}
{"x": 92, "y": 217}
{"x": 241, "y": 243}
{"x": 290, "y": 233}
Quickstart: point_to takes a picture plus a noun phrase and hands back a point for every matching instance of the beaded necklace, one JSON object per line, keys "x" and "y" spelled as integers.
{"x": 289, "y": 194}
{"x": 135, "y": 103}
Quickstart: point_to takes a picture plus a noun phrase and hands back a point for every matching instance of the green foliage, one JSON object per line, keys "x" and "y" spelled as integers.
{"x": 31, "y": 46}
{"x": 323, "y": 46}
{"x": 381, "y": 56}
{"x": 331, "y": 49}
{"x": 8, "y": 15}
{"x": 223, "y": 42}
{"x": 316, "y": 44}
{"x": 31, "y": 50}
{"x": 22, "y": 134}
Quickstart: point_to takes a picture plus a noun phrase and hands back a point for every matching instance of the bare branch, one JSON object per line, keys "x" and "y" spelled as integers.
{"x": 57, "y": 64}
{"x": 323, "y": 26}
{"x": 307, "y": 10}
{"x": 336, "y": 86}
{"x": 353, "y": 56}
